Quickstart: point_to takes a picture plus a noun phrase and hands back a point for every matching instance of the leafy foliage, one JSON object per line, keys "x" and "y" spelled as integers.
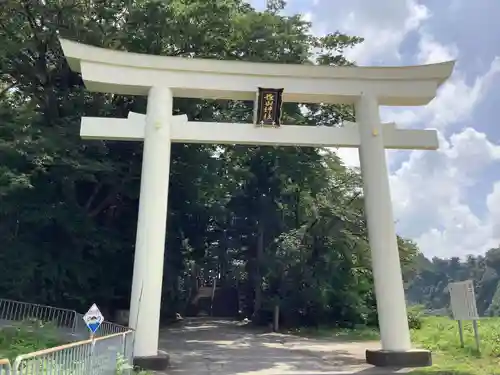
{"x": 415, "y": 317}
{"x": 285, "y": 226}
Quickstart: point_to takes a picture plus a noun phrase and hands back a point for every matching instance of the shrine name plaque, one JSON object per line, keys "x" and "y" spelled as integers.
{"x": 269, "y": 102}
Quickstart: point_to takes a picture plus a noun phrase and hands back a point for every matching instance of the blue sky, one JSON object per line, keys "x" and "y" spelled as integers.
{"x": 448, "y": 200}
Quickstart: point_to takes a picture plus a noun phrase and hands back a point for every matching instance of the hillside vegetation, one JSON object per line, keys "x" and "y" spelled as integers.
{"x": 427, "y": 282}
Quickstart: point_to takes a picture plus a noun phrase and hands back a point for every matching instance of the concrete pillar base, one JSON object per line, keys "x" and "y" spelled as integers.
{"x": 410, "y": 358}
{"x": 158, "y": 362}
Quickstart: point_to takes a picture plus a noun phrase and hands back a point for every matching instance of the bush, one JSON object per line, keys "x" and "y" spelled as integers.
{"x": 415, "y": 317}
{"x": 123, "y": 367}
{"x": 25, "y": 337}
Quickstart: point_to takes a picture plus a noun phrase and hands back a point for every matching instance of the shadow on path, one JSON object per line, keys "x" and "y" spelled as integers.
{"x": 211, "y": 346}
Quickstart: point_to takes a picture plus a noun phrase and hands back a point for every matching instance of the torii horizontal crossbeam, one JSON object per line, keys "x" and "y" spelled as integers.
{"x": 183, "y": 131}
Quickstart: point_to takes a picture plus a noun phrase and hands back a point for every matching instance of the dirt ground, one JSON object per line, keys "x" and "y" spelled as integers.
{"x": 209, "y": 347}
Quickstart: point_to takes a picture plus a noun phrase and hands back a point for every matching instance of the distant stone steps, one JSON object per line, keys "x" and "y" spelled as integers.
{"x": 203, "y": 292}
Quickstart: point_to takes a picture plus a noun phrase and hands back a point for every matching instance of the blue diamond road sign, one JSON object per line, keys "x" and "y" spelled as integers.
{"x": 93, "y": 318}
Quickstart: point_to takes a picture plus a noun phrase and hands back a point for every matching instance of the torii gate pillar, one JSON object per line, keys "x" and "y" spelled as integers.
{"x": 161, "y": 78}
{"x": 386, "y": 267}
{"x": 145, "y": 301}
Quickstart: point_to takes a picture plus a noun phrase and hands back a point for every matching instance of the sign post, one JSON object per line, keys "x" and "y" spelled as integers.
{"x": 463, "y": 307}
{"x": 93, "y": 319}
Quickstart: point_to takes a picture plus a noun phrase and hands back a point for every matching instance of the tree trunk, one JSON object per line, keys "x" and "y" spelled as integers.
{"x": 257, "y": 274}
{"x": 276, "y": 319}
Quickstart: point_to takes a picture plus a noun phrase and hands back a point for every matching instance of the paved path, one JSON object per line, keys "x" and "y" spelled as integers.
{"x": 209, "y": 347}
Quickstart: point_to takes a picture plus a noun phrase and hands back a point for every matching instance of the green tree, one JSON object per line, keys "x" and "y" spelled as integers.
{"x": 284, "y": 225}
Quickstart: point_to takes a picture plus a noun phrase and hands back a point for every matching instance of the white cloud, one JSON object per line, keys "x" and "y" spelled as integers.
{"x": 384, "y": 24}
{"x": 349, "y": 156}
{"x": 307, "y": 17}
{"x": 493, "y": 204}
{"x": 455, "y": 101}
{"x": 431, "y": 51}
{"x": 430, "y": 197}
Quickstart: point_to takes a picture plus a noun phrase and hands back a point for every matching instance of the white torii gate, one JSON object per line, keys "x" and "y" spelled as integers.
{"x": 162, "y": 78}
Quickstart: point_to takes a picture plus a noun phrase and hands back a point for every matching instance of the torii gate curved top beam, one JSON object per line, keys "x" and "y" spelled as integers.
{"x": 126, "y": 73}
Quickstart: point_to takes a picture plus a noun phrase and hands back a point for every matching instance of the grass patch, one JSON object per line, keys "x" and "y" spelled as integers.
{"x": 440, "y": 335}
{"x": 26, "y": 337}
{"x": 361, "y": 333}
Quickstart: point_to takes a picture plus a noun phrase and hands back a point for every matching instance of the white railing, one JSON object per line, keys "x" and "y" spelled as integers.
{"x": 99, "y": 356}
{"x": 5, "y": 368}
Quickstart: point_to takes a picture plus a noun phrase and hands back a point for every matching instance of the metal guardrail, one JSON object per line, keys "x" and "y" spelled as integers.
{"x": 68, "y": 321}
{"x": 5, "y": 368}
{"x": 99, "y": 356}
{"x": 18, "y": 311}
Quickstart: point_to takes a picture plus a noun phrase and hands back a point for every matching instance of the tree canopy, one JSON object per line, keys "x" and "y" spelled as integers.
{"x": 283, "y": 225}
